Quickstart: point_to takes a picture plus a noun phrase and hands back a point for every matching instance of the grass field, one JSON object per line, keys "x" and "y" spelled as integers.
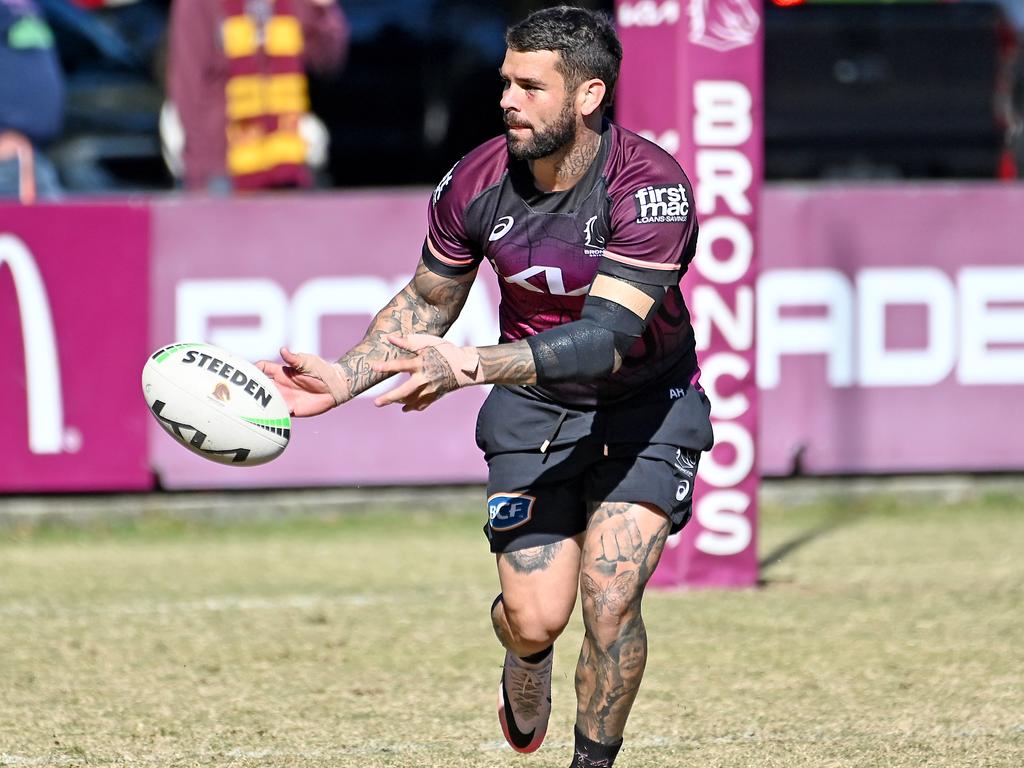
{"x": 888, "y": 633}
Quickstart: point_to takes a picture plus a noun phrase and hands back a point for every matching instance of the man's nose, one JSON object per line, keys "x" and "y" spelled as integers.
{"x": 509, "y": 100}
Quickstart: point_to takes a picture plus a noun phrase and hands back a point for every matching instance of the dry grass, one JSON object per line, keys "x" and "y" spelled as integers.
{"x": 888, "y": 634}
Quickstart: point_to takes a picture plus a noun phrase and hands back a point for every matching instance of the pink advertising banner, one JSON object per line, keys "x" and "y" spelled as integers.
{"x": 74, "y": 296}
{"x": 692, "y": 82}
{"x": 310, "y": 273}
{"x": 891, "y": 329}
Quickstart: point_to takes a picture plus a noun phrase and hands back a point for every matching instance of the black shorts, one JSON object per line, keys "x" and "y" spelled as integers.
{"x": 645, "y": 450}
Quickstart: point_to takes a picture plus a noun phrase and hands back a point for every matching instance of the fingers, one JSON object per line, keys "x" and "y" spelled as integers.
{"x": 405, "y": 390}
{"x": 401, "y": 342}
{"x": 414, "y": 342}
{"x": 398, "y": 365}
{"x": 295, "y": 364}
{"x": 413, "y": 394}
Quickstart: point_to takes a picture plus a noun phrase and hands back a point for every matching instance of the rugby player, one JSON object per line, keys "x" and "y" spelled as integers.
{"x": 593, "y": 432}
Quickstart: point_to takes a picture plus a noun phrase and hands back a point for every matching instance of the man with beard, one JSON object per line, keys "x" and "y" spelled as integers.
{"x": 593, "y": 431}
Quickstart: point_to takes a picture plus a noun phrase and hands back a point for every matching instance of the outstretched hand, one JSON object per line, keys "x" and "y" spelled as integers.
{"x": 436, "y": 368}
{"x": 308, "y": 383}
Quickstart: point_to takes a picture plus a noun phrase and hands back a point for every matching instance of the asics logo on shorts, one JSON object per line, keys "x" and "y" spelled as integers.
{"x": 506, "y": 511}
{"x": 683, "y": 490}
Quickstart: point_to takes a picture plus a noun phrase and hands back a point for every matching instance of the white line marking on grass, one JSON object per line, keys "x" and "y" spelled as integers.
{"x": 6, "y": 759}
{"x": 250, "y": 753}
{"x": 209, "y": 604}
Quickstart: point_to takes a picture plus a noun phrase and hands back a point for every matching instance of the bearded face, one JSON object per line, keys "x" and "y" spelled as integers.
{"x": 539, "y": 139}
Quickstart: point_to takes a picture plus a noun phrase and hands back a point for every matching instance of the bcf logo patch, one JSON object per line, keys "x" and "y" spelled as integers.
{"x": 509, "y": 510}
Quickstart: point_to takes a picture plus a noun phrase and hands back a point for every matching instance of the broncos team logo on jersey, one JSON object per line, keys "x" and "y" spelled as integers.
{"x": 593, "y": 240}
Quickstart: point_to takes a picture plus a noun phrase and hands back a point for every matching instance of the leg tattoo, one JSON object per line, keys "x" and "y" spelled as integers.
{"x": 533, "y": 558}
{"x": 617, "y": 563}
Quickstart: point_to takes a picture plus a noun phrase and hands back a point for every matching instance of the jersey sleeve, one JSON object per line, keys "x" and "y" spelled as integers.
{"x": 448, "y": 249}
{"x": 653, "y": 227}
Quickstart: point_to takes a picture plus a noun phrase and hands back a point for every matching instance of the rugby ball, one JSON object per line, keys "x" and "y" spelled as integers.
{"x": 217, "y": 405}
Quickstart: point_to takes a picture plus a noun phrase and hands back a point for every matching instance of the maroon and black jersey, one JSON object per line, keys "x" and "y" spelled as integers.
{"x": 632, "y": 214}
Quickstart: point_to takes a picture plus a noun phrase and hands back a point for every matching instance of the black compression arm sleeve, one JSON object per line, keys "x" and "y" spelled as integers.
{"x": 586, "y": 348}
{"x": 576, "y": 351}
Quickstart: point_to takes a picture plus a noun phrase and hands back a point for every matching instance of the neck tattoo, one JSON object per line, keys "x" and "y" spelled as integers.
{"x": 578, "y": 159}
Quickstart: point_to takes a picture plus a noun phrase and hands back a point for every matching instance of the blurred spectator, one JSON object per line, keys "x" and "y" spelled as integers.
{"x": 237, "y": 80}
{"x": 31, "y": 102}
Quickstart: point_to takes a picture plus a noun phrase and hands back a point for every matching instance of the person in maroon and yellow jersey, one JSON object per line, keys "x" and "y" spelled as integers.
{"x": 237, "y": 76}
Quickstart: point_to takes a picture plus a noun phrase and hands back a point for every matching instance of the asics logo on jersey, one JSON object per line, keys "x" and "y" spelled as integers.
{"x": 501, "y": 228}
{"x": 661, "y": 204}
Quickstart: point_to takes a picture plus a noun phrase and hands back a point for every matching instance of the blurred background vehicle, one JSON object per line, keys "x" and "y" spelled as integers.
{"x": 853, "y": 89}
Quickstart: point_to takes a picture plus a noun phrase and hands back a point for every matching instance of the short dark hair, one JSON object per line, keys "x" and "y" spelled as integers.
{"x": 585, "y": 41}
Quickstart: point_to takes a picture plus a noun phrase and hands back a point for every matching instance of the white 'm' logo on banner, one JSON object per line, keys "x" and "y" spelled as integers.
{"x": 42, "y": 368}
{"x": 723, "y": 24}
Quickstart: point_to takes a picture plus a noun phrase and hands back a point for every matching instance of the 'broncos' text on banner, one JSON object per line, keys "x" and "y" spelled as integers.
{"x": 692, "y": 82}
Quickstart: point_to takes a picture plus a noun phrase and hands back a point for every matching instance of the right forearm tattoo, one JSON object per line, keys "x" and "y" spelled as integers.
{"x": 508, "y": 364}
{"x": 428, "y": 304}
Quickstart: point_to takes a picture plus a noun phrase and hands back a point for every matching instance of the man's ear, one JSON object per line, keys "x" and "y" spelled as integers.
{"x": 590, "y": 96}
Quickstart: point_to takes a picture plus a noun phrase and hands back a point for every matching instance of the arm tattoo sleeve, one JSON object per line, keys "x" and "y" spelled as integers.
{"x": 508, "y": 364}
{"x": 430, "y": 303}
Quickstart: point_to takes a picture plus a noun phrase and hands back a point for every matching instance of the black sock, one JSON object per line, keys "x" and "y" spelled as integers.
{"x": 591, "y": 754}
{"x": 538, "y": 657}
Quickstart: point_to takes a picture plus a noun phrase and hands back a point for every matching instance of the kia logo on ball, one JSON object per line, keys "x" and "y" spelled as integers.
{"x": 42, "y": 368}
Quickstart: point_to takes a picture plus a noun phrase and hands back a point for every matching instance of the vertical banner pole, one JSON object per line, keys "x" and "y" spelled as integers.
{"x": 692, "y": 81}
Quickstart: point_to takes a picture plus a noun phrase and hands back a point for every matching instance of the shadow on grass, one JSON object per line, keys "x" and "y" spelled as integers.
{"x": 839, "y": 515}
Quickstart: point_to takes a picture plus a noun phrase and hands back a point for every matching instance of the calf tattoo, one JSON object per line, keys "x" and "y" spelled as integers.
{"x": 617, "y": 565}
{"x": 607, "y": 681}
